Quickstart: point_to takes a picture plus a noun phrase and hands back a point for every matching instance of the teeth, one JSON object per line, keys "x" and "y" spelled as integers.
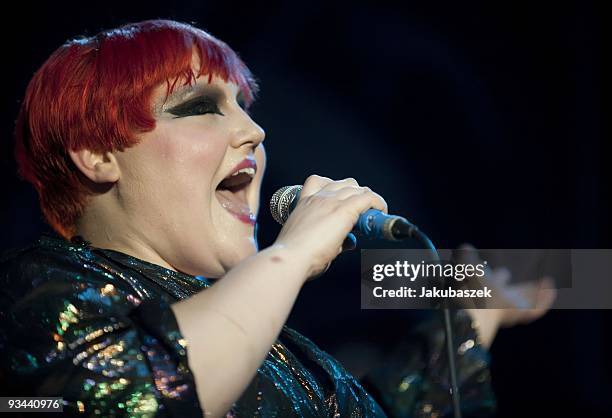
{"x": 249, "y": 170}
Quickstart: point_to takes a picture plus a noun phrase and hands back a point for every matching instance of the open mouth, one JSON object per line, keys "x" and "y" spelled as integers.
{"x": 232, "y": 191}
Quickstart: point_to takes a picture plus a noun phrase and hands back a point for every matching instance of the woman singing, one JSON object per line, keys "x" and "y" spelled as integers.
{"x": 148, "y": 166}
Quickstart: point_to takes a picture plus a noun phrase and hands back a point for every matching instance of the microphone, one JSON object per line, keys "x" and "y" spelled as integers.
{"x": 372, "y": 224}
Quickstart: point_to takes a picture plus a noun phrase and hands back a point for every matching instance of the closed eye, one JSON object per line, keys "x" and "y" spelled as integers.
{"x": 200, "y": 105}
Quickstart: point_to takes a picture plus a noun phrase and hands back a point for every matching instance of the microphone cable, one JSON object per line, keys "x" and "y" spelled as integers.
{"x": 448, "y": 327}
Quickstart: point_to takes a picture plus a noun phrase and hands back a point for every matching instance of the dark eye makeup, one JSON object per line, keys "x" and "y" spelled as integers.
{"x": 200, "y": 105}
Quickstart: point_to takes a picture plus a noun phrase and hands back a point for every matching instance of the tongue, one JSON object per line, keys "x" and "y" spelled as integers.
{"x": 234, "y": 203}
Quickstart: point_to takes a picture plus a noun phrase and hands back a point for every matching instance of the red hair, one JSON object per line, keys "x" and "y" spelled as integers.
{"x": 95, "y": 93}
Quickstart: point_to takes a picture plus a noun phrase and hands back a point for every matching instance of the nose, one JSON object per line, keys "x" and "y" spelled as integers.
{"x": 248, "y": 133}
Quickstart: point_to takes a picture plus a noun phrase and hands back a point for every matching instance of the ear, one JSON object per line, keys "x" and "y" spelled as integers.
{"x": 99, "y": 168}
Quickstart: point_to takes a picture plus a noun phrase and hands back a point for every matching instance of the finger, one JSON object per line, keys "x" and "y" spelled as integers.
{"x": 547, "y": 294}
{"x": 466, "y": 246}
{"x": 499, "y": 277}
{"x": 467, "y": 254}
{"x": 340, "y": 184}
{"x": 533, "y": 290}
{"x": 342, "y": 193}
{"x": 545, "y": 297}
{"x": 364, "y": 201}
{"x": 313, "y": 184}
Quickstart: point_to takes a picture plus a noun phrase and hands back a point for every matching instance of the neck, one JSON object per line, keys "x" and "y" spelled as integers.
{"x": 105, "y": 229}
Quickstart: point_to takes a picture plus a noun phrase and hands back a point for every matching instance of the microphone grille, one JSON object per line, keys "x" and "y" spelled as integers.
{"x": 280, "y": 202}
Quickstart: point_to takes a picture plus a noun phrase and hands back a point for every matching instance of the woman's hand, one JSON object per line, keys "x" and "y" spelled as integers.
{"x": 323, "y": 217}
{"x": 511, "y": 304}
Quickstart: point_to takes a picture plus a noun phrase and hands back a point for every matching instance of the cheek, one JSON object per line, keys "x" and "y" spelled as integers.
{"x": 191, "y": 155}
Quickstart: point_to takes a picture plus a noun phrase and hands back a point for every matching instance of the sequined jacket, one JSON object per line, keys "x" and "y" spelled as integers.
{"x": 94, "y": 327}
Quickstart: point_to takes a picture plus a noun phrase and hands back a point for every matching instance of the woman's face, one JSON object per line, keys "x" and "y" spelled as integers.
{"x": 191, "y": 186}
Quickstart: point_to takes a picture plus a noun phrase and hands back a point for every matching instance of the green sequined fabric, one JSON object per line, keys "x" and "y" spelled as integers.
{"x": 94, "y": 327}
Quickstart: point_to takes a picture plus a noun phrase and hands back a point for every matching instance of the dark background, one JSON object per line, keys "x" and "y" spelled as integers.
{"x": 480, "y": 122}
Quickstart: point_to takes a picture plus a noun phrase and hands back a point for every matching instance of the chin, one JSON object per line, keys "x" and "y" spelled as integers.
{"x": 231, "y": 257}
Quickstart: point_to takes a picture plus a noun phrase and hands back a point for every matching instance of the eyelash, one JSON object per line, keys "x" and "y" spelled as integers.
{"x": 196, "y": 108}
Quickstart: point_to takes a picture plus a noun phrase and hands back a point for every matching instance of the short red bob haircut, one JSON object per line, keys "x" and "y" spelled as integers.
{"x": 95, "y": 93}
